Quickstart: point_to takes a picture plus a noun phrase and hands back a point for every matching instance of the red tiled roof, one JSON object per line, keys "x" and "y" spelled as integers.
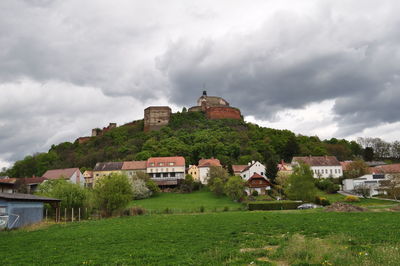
{"x": 8, "y": 181}
{"x": 238, "y": 167}
{"x": 256, "y": 176}
{"x": 282, "y": 166}
{"x": 318, "y": 160}
{"x": 177, "y": 160}
{"x": 58, "y": 173}
{"x": 345, "y": 165}
{"x": 134, "y": 165}
{"x": 209, "y": 162}
{"x": 34, "y": 180}
{"x": 386, "y": 169}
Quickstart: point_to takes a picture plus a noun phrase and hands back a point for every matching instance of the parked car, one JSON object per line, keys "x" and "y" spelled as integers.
{"x": 308, "y": 206}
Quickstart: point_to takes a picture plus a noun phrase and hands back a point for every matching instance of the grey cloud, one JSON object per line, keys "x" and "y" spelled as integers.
{"x": 295, "y": 64}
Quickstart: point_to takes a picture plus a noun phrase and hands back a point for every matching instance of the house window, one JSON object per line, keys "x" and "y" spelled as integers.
{"x": 165, "y": 174}
{"x": 331, "y": 171}
{"x": 172, "y": 174}
{"x": 173, "y": 170}
{"x": 160, "y": 164}
{"x": 3, "y": 209}
{"x": 151, "y": 164}
{"x": 171, "y": 164}
{"x": 158, "y": 175}
{"x": 97, "y": 174}
{"x": 262, "y": 173}
{"x": 244, "y": 175}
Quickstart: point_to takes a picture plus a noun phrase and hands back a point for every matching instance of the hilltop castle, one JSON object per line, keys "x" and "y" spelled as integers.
{"x": 214, "y": 107}
{"x": 155, "y": 117}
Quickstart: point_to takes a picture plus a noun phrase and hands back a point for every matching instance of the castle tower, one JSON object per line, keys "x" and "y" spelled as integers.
{"x": 155, "y": 117}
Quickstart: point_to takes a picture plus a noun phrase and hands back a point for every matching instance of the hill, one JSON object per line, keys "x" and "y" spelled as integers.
{"x": 189, "y": 134}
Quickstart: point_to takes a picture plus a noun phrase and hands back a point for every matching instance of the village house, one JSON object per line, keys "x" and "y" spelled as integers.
{"x": 373, "y": 180}
{"x": 130, "y": 168}
{"x": 28, "y": 185}
{"x": 7, "y": 185}
{"x": 105, "y": 169}
{"x": 254, "y": 167}
{"x": 193, "y": 170}
{"x": 204, "y": 168}
{"x": 73, "y": 175}
{"x": 321, "y": 166}
{"x": 166, "y": 171}
{"x": 88, "y": 176}
{"x": 284, "y": 168}
{"x": 257, "y": 183}
{"x": 238, "y": 168}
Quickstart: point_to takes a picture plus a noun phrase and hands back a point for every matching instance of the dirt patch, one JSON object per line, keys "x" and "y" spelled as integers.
{"x": 277, "y": 263}
{"x": 268, "y": 248}
{"x": 344, "y": 207}
{"x": 396, "y": 208}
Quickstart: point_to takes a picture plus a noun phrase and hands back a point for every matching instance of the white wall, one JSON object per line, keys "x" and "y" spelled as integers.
{"x": 257, "y": 167}
{"x": 327, "y": 171}
{"x": 204, "y": 174}
{"x": 77, "y": 178}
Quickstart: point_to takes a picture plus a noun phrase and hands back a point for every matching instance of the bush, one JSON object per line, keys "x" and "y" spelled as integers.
{"x": 137, "y": 211}
{"x": 139, "y": 189}
{"x": 226, "y": 208}
{"x": 351, "y": 199}
{"x": 273, "y": 205}
{"x": 202, "y": 209}
{"x": 327, "y": 185}
{"x": 234, "y": 188}
{"x": 112, "y": 193}
{"x": 254, "y": 193}
{"x": 322, "y": 201}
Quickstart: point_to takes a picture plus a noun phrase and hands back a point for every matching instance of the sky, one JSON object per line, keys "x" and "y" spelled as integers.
{"x": 317, "y": 67}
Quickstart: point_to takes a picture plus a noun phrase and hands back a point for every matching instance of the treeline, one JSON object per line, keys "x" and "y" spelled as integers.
{"x": 190, "y": 135}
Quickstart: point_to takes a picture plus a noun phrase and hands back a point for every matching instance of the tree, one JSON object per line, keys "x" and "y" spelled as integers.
{"x": 363, "y": 189}
{"x": 291, "y": 149}
{"x": 356, "y": 169}
{"x": 112, "y": 193}
{"x": 187, "y": 184}
{"x": 368, "y": 154}
{"x": 71, "y": 195}
{"x": 217, "y": 172}
{"x": 217, "y": 186}
{"x": 234, "y": 188}
{"x": 392, "y": 186}
{"x": 139, "y": 189}
{"x": 271, "y": 169}
{"x": 301, "y": 184}
{"x": 150, "y": 184}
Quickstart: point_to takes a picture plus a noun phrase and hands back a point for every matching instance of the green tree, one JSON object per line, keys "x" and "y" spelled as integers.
{"x": 150, "y": 184}
{"x": 356, "y": 169}
{"x": 187, "y": 184}
{"x": 217, "y": 186}
{"x": 271, "y": 169}
{"x": 112, "y": 193}
{"x": 301, "y": 184}
{"x": 291, "y": 149}
{"x": 71, "y": 195}
{"x": 234, "y": 188}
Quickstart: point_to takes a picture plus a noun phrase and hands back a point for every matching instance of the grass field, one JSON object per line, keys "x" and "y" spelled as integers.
{"x": 235, "y": 238}
{"x": 184, "y": 203}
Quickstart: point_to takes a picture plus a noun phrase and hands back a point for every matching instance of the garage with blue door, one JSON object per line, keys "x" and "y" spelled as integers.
{"x": 17, "y": 210}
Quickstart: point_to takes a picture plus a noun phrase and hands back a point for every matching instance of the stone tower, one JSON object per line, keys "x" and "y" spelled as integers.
{"x": 155, "y": 117}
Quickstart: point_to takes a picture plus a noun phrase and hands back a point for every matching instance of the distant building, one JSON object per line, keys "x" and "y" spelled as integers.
{"x": 73, "y": 175}
{"x": 255, "y": 167}
{"x": 257, "y": 183}
{"x": 166, "y": 171}
{"x": 321, "y": 166}
{"x": 238, "y": 168}
{"x": 88, "y": 176}
{"x": 215, "y": 108}
{"x": 284, "y": 168}
{"x": 156, "y": 117}
{"x": 7, "y": 185}
{"x": 194, "y": 172}
{"x": 204, "y": 168}
{"x": 100, "y": 132}
{"x": 105, "y": 169}
{"x": 130, "y": 168}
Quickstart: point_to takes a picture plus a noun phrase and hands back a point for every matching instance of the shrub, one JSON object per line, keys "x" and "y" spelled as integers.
{"x": 112, "y": 193}
{"x": 234, "y": 188}
{"x": 226, "y": 208}
{"x": 254, "y": 193}
{"x": 351, "y": 199}
{"x": 139, "y": 189}
{"x": 137, "y": 211}
{"x": 327, "y": 185}
{"x": 273, "y": 205}
{"x": 202, "y": 209}
{"x": 322, "y": 201}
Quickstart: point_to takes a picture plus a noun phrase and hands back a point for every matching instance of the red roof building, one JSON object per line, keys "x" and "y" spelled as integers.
{"x": 74, "y": 175}
{"x": 257, "y": 183}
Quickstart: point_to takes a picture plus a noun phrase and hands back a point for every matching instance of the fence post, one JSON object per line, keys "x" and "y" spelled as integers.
{"x": 46, "y": 215}
{"x": 79, "y": 214}
{"x": 65, "y": 215}
{"x": 72, "y": 218}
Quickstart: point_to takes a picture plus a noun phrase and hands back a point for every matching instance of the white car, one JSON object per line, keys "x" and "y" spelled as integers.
{"x": 308, "y": 206}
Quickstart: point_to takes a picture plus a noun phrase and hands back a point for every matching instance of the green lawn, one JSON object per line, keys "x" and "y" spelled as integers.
{"x": 184, "y": 203}
{"x": 234, "y": 238}
{"x": 363, "y": 202}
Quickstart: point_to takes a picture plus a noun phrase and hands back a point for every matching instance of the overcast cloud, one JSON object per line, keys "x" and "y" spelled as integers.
{"x": 327, "y": 68}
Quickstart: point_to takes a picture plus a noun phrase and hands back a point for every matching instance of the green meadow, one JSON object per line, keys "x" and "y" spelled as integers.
{"x": 202, "y": 229}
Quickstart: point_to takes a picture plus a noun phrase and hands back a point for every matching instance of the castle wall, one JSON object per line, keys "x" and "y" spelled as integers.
{"x": 155, "y": 117}
{"x": 223, "y": 113}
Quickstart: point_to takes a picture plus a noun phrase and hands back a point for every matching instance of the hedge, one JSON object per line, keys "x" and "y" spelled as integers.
{"x": 274, "y": 205}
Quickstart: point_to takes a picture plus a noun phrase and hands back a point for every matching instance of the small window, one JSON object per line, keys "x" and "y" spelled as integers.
{"x": 262, "y": 173}
{"x": 165, "y": 174}
{"x": 171, "y": 164}
{"x": 3, "y": 209}
{"x": 331, "y": 171}
{"x": 158, "y": 175}
{"x": 172, "y": 174}
{"x": 160, "y": 164}
{"x": 151, "y": 164}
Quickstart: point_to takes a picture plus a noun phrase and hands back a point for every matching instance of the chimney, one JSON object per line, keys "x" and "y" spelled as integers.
{"x": 252, "y": 162}
{"x": 249, "y": 164}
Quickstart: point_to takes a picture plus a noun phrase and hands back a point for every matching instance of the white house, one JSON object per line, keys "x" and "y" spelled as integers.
{"x": 166, "y": 171}
{"x": 73, "y": 175}
{"x": 321, "y": 166}
{"x": 373, "y": 179}
{"x": 255, "y": 167}
{"x": 204, "y": 168}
